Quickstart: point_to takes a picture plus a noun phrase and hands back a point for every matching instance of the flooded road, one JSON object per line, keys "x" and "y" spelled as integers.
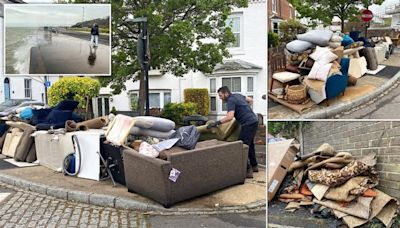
{"x": 41, "y": 52}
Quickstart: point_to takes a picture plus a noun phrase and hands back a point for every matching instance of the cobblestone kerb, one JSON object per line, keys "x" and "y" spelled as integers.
{"x": 121, "y": 202}
{"x": 330, "y": 112}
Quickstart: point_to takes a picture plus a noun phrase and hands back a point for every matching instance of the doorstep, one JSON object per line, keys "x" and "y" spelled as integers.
{"x": 239, "y": 198}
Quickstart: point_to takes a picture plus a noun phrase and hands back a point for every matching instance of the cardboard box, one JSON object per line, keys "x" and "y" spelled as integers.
{"x": 280, "y": 157}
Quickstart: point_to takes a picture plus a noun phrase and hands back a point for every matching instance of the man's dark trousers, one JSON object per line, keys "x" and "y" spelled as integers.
{"x": 247, "y": 134}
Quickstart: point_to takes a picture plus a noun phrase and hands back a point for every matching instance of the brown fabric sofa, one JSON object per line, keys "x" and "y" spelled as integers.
{"x": 211, "y": 166}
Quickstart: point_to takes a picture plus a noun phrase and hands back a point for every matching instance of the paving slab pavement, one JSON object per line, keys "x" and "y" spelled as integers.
{"x": 250, "y": 195}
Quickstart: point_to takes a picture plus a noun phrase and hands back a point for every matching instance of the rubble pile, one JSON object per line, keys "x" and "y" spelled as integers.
{"x": 338, "y": 184}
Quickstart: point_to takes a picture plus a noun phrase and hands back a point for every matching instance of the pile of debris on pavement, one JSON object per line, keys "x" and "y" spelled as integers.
{"x": 320, "y": 64}
{"x": 328, "y": 182}
{"x": 149, "y": 155}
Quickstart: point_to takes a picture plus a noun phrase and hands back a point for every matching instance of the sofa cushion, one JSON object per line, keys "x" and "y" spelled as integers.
{"x": 323, "y": 55}
{"x": 347, "y": 40}
{"x": 318, "y": 37}
{"x": 285, "y": 76}
{"x": 298, "y": 46}
{"x": 319, "y": 71}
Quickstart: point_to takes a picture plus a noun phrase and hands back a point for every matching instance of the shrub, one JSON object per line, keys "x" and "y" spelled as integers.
{"x": 113, "y": 110}
{"x": 77, "y": 88}
{"x": 199, "y": 97}
{"x": 290, "y": 28}
{"x": 176, "y": 111}
{"x": 273, "y": 39}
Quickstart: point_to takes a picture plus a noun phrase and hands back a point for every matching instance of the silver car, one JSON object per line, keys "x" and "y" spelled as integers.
{"x": 9, "y": 107}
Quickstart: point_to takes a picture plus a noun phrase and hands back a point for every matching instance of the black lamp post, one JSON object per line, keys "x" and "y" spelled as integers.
{"x": 143, "y": 53}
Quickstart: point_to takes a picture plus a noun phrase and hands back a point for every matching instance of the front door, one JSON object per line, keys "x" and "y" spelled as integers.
{"x": 7, "y": 94}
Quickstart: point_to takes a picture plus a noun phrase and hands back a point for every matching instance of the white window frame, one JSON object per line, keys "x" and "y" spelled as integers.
{"x": 28, "y": 89}
{"x": 162, "y": 93}
{"x": 273, "y": 27}
{"x": 240, "y": 49}
{"x": 213, "y": 94}
{"x": 243, "y": 90}
{"x": 274, "y": 6}
{"x": 103, "y": 102}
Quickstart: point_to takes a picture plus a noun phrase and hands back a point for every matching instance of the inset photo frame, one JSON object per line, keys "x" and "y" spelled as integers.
{"x": 57, "y": 39}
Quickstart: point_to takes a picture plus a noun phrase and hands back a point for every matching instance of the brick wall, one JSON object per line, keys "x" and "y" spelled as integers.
{"x": 283, "y": 10}
{"x": 362, "y": 138}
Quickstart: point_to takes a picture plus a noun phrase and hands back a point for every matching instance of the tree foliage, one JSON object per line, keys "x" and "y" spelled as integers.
{"x": 199, "y": 97}
{"x": 324, "y": 10}
{"x": 184, "y": 35}
{"x": 289, "y": 30}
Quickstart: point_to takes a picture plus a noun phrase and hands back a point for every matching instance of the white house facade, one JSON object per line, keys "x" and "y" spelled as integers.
{"x": 245, "y": 72}
{"x": 19, "y": 87}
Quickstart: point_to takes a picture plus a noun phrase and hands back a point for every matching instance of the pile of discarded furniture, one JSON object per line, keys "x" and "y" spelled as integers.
{"x": 330, "y": 182}
{"x": 146, "y": 154}
{"x": 320, "y": 64}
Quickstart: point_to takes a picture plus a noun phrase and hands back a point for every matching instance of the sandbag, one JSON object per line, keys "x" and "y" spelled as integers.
{"x": 319, "y": 37}
{"x": 24, "y": 145}
{"x": 152, "y": 133}
{"x": 157, "y": 123}
{"x": 188, "y": 137}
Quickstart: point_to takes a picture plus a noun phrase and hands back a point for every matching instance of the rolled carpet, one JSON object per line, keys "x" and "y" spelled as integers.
{"x": 96, "y": 123}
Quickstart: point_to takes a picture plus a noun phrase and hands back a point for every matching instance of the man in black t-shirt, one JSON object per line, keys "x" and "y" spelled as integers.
{"x": 238, "y": 107}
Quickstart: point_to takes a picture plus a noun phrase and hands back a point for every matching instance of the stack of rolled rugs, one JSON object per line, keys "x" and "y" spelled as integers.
{"x": 341, "y": 184}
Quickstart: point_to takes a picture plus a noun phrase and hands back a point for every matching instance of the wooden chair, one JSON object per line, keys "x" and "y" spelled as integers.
{"x": 277, "y": 63}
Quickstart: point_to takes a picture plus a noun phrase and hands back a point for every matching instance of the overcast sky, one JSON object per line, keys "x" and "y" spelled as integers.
{"x": 35, "y": 15}
{"x": 386, "y": 3}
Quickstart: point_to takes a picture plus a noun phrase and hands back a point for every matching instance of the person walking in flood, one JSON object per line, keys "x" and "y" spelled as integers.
{"x": 94, "y": 35}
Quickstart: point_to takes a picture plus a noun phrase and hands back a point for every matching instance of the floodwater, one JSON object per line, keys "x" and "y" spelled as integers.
{"x": 35, "y": 51}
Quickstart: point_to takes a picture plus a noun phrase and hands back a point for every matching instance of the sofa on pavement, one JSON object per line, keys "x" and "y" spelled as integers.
{"x": 211, "y": 166}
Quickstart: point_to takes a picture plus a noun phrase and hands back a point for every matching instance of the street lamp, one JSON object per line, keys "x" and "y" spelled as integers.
{"x": 143, "y": 53}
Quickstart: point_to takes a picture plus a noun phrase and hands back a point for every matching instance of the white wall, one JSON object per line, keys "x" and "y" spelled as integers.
{"x": 396, "y": 21}
{"x": 254, "y": 50}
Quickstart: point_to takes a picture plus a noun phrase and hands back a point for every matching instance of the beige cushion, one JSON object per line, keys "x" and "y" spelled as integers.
{"x": 358, "y": 67}
{"x": 285, "y": 76}
{"x": 323, "y": 55}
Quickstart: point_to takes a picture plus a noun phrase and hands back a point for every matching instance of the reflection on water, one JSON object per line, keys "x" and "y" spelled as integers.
{"x": 92, "y": 55}
{"x": 18, "y": 44}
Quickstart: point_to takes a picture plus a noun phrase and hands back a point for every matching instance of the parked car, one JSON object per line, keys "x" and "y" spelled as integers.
{"x": 9, "y": 107}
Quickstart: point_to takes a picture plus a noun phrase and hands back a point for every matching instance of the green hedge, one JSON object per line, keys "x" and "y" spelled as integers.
{"x": 176, "y": 111}
{"x": 80, "y": 88}
{"x": 199, "y": 97}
